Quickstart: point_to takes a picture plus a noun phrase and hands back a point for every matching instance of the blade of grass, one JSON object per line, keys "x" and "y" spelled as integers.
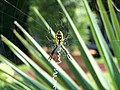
{"x": 102, "y": 46}
{"x": 35, "y": 53}
{"x": 109, "y": 30}
{"x": 113, "y": 40}
{"x": 10, "y": 84}
{"x": 24, "y": 57}
{"x": 23, "y": 85}
{"x": 114, "y": 20}
{"x": 90, "y": 62}
{"x": 26, "y": 77}
{"x": 78, "y": 72}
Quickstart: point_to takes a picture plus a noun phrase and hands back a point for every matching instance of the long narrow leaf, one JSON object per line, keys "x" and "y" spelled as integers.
{"x": 26, "y": 77}
{"x": 10, "y": 84}
{"x": 16, "y": 80}
{"x": 102, "y": 47}
{"x": 116, "y": 26}
{"x": 114, "y": 19}
{"x": 78, "y": 72}
{"x": 113, "y": 41}
{"x": 90, "y": 62}
{"x": 109, "y": 30}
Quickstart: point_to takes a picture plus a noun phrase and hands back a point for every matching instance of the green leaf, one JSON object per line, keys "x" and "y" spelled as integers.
{"x": 110, "y": 32}
{"x": 90, "y": 62}
{"x": 113, "y": 40}
{"x": 26, "y": 77}
{"x": 18, "y": 82}
{"x": 13, "y": 86}
{"x": 114, "y": 19}
{"x": 103, "y": 48}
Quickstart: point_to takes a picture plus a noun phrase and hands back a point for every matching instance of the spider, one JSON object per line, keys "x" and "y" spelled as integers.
{"x": 59, "y": 42}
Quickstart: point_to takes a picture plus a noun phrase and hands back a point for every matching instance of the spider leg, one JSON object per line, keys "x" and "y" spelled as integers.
{"x": 66, "y": 38}
{"x": 67, "y": 54}
{"x": 52, "y": 53}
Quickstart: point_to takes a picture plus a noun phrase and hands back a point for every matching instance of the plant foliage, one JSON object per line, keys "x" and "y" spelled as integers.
{"x": 44, "y": 68}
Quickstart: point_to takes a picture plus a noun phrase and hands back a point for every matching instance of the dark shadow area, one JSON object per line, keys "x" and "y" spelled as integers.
{"x": 8, "y": 15}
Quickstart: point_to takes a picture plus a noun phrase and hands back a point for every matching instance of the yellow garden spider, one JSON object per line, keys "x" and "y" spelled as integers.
{"x": 59, "y": 42}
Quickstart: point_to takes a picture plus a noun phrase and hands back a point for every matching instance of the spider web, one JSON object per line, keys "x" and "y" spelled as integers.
{"x": 22, "y": 13}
